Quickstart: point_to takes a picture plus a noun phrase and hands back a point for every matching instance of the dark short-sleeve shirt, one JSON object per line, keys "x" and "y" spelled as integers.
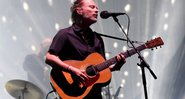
{"x": 69, "y": 44}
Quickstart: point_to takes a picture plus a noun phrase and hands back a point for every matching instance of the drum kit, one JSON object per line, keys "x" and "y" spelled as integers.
{"x": 21, "y": 89}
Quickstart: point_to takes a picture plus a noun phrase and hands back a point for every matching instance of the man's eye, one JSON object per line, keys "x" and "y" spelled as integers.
{"x": 91, "y": 6}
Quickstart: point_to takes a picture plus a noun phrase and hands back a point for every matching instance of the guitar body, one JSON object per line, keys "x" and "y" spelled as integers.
{"x": 66, "y": 85}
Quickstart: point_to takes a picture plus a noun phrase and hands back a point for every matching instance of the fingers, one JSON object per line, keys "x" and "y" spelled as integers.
{"x": 84, "y": 78}
{"x": 81, "y": 78}
{"x": 121, "y": 57}
{"x": 83, "y": 83}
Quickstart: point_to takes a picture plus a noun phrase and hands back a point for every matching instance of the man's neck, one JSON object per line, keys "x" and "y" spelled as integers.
{"x": 83, "y": 26}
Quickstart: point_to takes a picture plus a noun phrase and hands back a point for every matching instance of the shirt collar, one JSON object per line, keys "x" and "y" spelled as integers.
{"x": 77, "y": 29}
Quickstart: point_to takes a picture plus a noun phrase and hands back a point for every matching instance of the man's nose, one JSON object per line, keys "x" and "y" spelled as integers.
{"x": 96, "y": 10}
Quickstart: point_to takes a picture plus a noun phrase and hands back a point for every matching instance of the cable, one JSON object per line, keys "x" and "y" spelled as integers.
{"x": 49, "y": 93}
{"x": 128, "y": 28}
{"x": 54, "y": 90}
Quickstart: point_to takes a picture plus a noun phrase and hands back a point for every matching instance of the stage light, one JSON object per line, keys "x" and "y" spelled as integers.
{"x": 104, "y": 1}
{"x": 172, "y": 2}
{"x": 140, "y": 72}
{"x": 128, "y": 8}
{"x": 154, "y": 37}
{"x": 115, "y": 45}
{"x": 126, "y": 73}
{"x": 3, "y": 18}
{"x": 72, "y": 1}
{"x": 121, "y": 85}
{"x": 25, "y": 6}
{"x": 139, "y": 68}
{"x": 30, "y": 29}
{"x": 123, "y": 81}
{"x": 107, "y": 55}
{"x": 70, "y": 21}
{"x": 138, "y": 84}
{"x": 14, "y": 38}
{"x": 124, "y": 48}
{"x": 166, "y": 15}
{"x": 1, "y": 75}
{"x": 125, "y": 31}
{"x": 57, "y": 26}
{"x": 33, "y": 48}
{"x": 50, "y": 2}
{"x": 165, "y": 27}
{"x": 145, "y": 54}
{"x": 121, "y": 95}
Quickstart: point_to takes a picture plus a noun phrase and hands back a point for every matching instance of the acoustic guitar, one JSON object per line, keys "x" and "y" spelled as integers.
{"x": 96, "y": 68}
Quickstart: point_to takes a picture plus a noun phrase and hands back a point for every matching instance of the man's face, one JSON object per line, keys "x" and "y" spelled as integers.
{"x": 89, "y": 11}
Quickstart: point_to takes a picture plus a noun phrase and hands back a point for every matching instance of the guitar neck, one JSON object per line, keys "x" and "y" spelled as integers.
{"x": 113, "y": 60}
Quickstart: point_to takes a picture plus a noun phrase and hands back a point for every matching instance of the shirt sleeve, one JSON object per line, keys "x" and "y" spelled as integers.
{"x": 58, "y": 43}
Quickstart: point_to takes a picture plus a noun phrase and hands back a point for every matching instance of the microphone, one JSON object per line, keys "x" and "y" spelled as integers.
{"x": 106, "y": 14}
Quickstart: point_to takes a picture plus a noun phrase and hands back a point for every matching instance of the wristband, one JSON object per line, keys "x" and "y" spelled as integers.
{"x": 68, "y": 67}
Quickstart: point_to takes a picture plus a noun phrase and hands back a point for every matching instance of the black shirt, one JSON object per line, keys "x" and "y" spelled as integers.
{"x": 70, "y": 44}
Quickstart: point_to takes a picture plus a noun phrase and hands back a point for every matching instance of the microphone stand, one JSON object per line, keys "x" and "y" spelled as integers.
{"x": 108, "y": 36}
{"x": 117, "y": 92}
{"x": 113, "y": 37}
{"x": 143, "y": 63}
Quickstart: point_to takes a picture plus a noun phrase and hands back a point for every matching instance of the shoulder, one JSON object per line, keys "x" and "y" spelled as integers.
{"x": 63, "y": 33}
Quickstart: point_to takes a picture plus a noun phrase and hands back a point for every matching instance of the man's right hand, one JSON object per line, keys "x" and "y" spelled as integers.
{"x": 82, "y": 78}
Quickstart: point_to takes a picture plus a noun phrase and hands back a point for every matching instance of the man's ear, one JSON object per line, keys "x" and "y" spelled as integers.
{"x": 79, "y": 11}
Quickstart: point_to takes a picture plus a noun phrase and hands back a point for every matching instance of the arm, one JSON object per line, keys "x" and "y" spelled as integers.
{"x": 55, "y": 62}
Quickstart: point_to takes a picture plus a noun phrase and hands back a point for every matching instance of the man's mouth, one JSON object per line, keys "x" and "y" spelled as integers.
{"x": 95, "y": 15}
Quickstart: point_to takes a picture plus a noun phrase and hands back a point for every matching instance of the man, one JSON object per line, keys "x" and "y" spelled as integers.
{"x": 77, "y": 42}
{"x": 37, "y": 70}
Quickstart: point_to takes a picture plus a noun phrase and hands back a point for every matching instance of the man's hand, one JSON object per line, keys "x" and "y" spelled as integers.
{"x": 82, "y": 78}
{"x": 120, "y": 61}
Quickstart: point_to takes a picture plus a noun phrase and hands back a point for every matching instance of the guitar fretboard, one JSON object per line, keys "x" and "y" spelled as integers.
{"x": 113, "y": 60}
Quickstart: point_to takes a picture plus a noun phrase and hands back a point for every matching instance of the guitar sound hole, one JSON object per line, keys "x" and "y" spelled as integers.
{"x": 91, "y": 71}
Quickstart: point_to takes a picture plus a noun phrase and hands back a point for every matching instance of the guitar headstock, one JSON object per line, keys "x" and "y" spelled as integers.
{"x": 154, "y": 42}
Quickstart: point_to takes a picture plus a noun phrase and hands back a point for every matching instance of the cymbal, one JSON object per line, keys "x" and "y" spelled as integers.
{"x": 21, "y": 89}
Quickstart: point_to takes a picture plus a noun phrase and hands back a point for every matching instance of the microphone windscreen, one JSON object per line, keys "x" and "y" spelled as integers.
{"x": 104, "y": 14}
